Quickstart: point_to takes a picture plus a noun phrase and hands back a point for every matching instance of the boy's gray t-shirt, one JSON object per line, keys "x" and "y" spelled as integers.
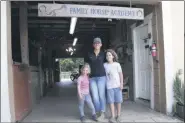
{"x": 112, "y": 73}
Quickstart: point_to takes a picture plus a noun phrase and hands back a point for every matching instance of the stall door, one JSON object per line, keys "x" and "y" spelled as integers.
{"x": 143, "y": 62}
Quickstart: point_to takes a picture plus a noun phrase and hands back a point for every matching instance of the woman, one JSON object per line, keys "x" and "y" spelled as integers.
{"x": 96, "y": 61}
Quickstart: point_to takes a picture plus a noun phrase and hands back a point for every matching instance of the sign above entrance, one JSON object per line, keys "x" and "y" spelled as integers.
{"x": 89, "y": 11}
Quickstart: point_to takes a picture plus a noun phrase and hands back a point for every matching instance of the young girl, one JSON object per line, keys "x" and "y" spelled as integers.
{"x": 114, "y": 84}
{"x": 83, "y": 92}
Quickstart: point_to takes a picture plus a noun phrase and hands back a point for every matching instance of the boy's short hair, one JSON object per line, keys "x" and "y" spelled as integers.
{"x": 115, "y": 59}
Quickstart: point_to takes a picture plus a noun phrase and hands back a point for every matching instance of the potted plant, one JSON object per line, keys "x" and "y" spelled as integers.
{"x": 178, "y": 88}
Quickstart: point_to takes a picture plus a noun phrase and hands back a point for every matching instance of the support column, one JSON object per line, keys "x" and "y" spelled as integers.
{"x": 168, "y": 53}
{"x": 53, "y": 68}
{"x": 23, "y": 25}
{"x": 7, "y": 98}
{"x": 40, "y": 71}
{"x": 173, "y": 31}
{"x": 159, "y": 67}
{"x": 50, "y": 67}
{"x": 24, "y": 34}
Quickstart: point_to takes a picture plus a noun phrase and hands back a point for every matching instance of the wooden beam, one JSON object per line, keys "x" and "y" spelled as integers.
{"x": 86, "y": 2}
{"x": 68, "y": 22}
{"x": 62, "y": 45}
{"x": 48, "y": 21}
{"x": 60, "y": 24}
{"x": 66, "y": 27}
{"x": 77, "y": 30}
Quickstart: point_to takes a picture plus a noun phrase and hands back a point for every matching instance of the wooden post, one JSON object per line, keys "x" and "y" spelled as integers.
{"x": 24, "y": 34}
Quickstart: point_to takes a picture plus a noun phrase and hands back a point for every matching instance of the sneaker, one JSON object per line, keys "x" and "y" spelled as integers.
{"x": 118, "y": 119}
{"x": 94, "y": 118}
{"x": 101, "y": 117}
{"x": 112, "y": 120}
{"x": 97, "y": 114}
{"x": 82, "y": 119}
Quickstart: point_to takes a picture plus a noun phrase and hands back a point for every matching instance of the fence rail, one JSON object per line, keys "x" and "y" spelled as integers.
{"x": 65, "y": 75}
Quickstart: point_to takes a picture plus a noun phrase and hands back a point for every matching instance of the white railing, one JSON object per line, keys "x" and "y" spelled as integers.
{"x": 65, "y": 76}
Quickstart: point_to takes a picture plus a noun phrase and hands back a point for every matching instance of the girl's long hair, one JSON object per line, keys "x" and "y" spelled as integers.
{"x": 115, "y": 59}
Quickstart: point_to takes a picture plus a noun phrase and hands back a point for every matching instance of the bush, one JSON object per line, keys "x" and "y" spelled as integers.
{"x": 178, "y": 88}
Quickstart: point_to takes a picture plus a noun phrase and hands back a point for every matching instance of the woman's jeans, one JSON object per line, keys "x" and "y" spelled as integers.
{"x": 98, "y": 86}
{"x": 88, "y": 100}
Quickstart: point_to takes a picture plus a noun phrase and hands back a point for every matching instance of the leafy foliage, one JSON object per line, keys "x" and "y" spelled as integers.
{"x": 69, "y": 64}
{"x": 178, "y": 88}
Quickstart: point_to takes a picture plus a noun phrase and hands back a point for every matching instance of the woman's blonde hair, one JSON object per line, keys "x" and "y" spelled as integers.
{"x": 115, "y": 59}
{"x": 86, "y": 65}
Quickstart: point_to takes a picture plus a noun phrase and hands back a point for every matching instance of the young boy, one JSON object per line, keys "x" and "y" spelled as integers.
{"x": 114, "y": 84}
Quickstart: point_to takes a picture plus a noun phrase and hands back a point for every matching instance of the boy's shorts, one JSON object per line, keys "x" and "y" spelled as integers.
{"x": 114, "y": 95}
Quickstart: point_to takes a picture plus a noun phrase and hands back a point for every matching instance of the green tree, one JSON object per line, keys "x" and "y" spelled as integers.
{"x": 78, "y": 61}
{"x": 67, "y": 64}
{"x": 70, "y": 64}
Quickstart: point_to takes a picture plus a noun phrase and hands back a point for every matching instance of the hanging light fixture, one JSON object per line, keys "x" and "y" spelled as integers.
{"x": 70, "y": 50}
{"x": 72, "y": 25}
{"x": 74, "y": 42}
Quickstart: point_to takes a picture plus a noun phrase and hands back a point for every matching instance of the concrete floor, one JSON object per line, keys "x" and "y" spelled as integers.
{"x": 61, "y": 105}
